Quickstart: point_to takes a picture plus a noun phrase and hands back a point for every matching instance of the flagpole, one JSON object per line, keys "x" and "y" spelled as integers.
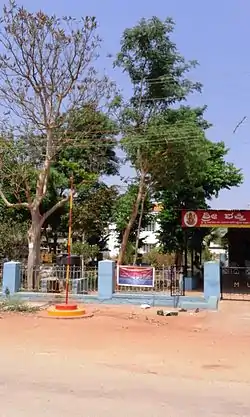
{"x": 69, "y": 240}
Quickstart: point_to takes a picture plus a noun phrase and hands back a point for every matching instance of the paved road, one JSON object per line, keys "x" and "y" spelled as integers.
{"x": 54, "y": 384}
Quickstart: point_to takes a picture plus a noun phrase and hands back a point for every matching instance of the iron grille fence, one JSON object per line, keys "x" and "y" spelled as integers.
{"x": 168, "y": 280}
{"x": 53, "y": 279}
{"x": 1, "y": 275}
{"x": 235, "y": 283}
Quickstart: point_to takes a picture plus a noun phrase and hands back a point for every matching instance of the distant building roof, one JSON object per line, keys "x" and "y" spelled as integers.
{"x": 157, "y": 207}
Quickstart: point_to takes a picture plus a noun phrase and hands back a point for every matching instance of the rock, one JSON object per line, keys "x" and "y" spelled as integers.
{"x": 145, "y": 306}
{"x": 171, "y": 313}
{"x": 160, "y": 313}
{"x": 182, "y": 310}
{"x": 167, "y": 313}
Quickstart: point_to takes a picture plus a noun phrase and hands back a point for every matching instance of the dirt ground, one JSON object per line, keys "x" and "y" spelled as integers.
{"x": 127, "y": 361}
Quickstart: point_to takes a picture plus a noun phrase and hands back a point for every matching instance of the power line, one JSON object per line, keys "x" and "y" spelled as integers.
{"x": 184, "y": 140}
{"x": 140, "y": 129}
{"x": 177, "y": 143}
{"x": 187, "y": 128}
{"x": 164, "y": 78}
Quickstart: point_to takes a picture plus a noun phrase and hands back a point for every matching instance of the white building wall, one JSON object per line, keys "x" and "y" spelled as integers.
{"x": 216, "y": 250}
{"x": 149, "y": 236}
{"x": 112, "y": 243}
{"x": 150, "y": 240}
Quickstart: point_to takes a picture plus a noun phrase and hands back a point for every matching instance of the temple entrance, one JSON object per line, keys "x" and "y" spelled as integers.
{"x": 235, "y": 275}
{"x": 235, "y": 283}
{"x": 235, "y": 264}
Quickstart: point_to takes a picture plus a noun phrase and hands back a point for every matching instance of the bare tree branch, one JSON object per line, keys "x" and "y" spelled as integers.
{"x": 53, "y": 209}
{"x": 239, "y": 124}
{"x": 47, "y": 73}
{"x": 13, "y": 205}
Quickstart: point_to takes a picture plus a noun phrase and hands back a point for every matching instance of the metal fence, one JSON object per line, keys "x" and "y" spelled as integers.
{"x": 1, "y": 275}
{"x": 52, "y": 279}
{"x": 235, "y": 283}
{"x": 168, "y": 280}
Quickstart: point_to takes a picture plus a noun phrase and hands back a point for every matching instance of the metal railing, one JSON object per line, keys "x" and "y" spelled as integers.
{"x": 235, "y": 282}
{"x": 53, "y": 279}
{"x": 1, "y": 275}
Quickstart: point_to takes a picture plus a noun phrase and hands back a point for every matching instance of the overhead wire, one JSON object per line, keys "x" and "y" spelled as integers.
{"x": 163, "y": 78}
{"x": 178, "y": 143}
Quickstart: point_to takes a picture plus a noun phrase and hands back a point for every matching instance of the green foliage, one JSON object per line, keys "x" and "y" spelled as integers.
{"x": 158, "y": 259}
{"x": 13, "y": 240}
{"x": 92, "y": 213}
{"x": 88, "y": 154}
{"x": 14, "y": 305}
{"x": 88, "y": 252}
{"x": 155, "y": 68}
{"x": 215, "y": 174}
{"x": 91, "y": 142}
{"x": 218, "y": 173}
{"x": 129, "y": 253}
{"x": 206, "y": 255}
{"x": 157, "y": 73}
{"x": 47, "y": 71}
{"x": 50, "y": 60}
{"x": 122, "y": 211}
{"x": 177, "y": 141}
{"x": 151, "y": 140}
{"x": 86, "y": 157}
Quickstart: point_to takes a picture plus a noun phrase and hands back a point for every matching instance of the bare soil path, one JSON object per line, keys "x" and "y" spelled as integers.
{"x": 127, "y": 362}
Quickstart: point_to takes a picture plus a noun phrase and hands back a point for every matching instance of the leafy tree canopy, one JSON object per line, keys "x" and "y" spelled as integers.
{"x": 158, "y": 75}
{"x": 122, "y": 211}
{"x": 215, "y": 174}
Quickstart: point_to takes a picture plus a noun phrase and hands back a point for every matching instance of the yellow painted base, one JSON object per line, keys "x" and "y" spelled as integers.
{"x": 52, "y": 312}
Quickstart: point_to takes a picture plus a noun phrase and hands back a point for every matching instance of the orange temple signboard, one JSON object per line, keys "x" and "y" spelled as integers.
{"x": 215, "y": 218}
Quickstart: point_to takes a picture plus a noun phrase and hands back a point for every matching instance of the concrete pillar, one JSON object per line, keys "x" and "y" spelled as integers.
{"x": 74, "y": 286}
{"x": 11, "y": 278}
{"x": 212, "y": 286}
{"x": 106, "y": 279}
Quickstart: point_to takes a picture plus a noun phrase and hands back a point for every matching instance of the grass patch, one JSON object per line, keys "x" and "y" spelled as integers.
{"x": 17, "y": 306}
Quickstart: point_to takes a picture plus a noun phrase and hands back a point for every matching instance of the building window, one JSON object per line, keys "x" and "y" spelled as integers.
{"x": 151, "y": 227}
{"x": 148, "y": 247}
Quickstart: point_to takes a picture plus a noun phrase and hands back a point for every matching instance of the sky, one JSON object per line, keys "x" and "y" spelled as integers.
{"x": 216, "y": 34}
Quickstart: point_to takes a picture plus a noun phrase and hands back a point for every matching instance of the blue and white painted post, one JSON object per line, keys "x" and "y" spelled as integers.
{"x": 106, "y": 279}
{"x": 11, "y": 278}
{"x": 212, "y": 286}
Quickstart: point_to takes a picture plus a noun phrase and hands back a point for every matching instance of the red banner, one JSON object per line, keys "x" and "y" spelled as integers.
{"x": 215, "y": 218}
{"x": 135, "y": 276}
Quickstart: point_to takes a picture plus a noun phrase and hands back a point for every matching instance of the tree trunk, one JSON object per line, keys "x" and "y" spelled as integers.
{"x": 34, "y": 240}
{"x": 179, "y": 258}
{"x": 139, "y": 228}
{"x": 55, "y": 243}
{"x": 131, "y": 220}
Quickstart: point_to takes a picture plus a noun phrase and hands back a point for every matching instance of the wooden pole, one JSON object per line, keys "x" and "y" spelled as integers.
{"x": 69, "y": 240}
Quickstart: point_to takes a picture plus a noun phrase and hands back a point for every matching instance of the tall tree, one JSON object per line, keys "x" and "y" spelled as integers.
{"x": 93, "y": 154}
{"x": 92, "y": 214}
{"x": 215, "y": 174}
{"x": 158, "y": 76}
{"x": 122, "y": 212}
{"x": 46, "y": 71}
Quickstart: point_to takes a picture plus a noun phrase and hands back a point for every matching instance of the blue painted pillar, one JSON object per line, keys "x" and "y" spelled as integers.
{"x": 212, "y": 280}
{"x": 11, "y": 278}
{"x": 106, "y": 279}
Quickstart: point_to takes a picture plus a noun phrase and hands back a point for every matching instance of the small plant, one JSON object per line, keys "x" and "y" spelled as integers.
{"x": 15, "y": 305}
{"x": 7, "y": 292}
